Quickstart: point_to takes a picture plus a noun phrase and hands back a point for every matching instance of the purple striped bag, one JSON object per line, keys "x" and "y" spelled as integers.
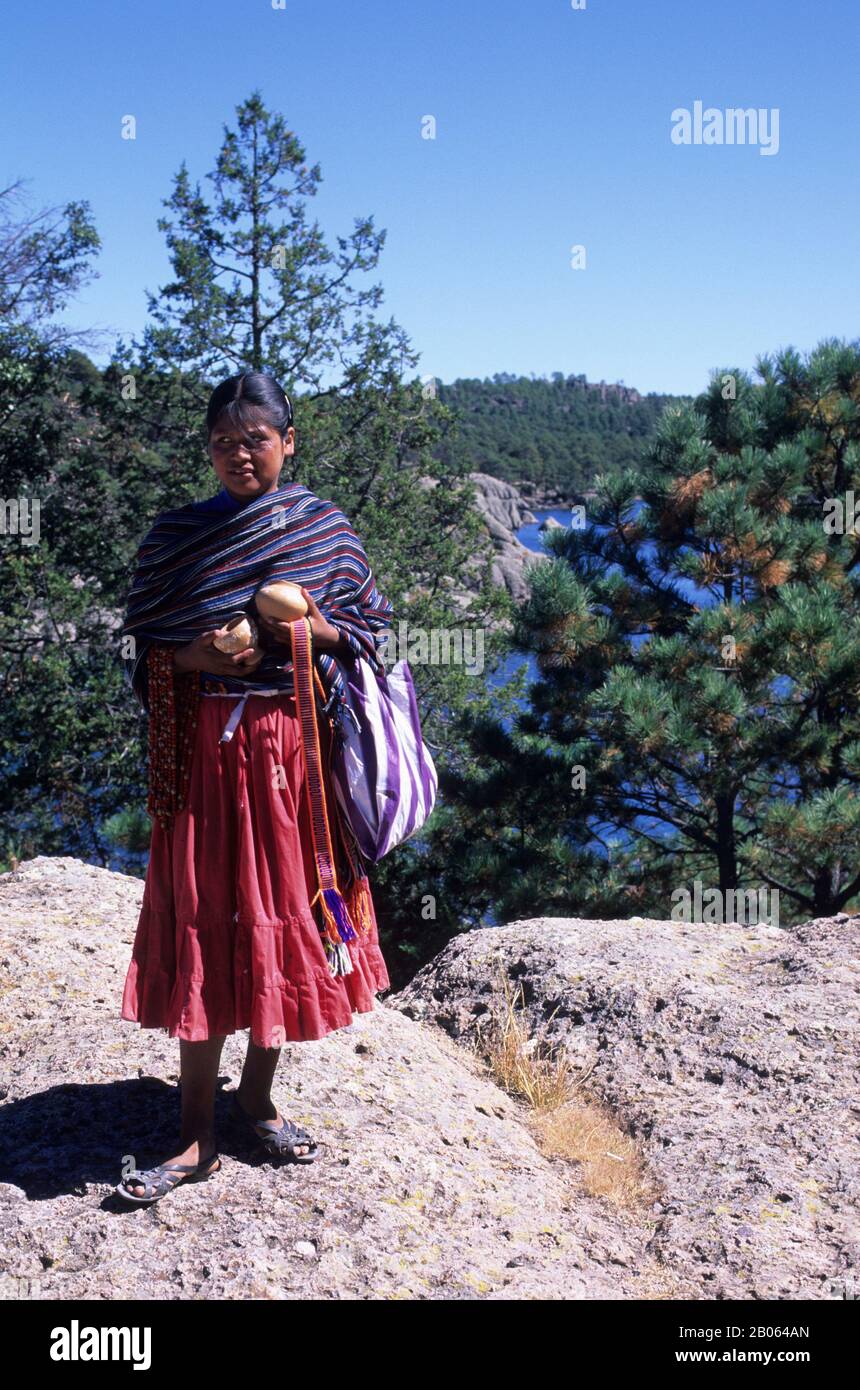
{"x": 381, "y": 768}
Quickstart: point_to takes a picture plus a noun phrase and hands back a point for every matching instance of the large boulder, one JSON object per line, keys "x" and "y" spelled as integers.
{"x": 504, "y": 512}
{"x": 732, "y": 1053}
{"x": 500, "y": 501}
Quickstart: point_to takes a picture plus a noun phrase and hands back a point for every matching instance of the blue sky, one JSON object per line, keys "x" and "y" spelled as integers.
{"x": 553, "y": 130}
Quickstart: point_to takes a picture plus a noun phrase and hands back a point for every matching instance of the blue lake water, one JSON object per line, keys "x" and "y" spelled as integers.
{"x": 532, "y": 537}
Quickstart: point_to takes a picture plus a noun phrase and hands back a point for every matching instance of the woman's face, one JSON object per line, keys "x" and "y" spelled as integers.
{"x": 249, "y": 462}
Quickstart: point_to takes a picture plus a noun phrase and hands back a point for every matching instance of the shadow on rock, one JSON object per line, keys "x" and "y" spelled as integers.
{"x": 63, "y": 1139}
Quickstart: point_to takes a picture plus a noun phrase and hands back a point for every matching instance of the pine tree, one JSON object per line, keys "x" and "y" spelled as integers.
{"x": 255, "y": 286}
{"x": 699, "y": 644}
{"x": 114, "y": 448}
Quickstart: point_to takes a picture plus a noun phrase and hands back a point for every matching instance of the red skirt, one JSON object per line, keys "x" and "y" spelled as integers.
{"x": 227, "y": 938}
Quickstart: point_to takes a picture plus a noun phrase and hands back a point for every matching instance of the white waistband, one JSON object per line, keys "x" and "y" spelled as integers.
{"x": 240, "y": 695}
{"x": 243, "y": 694}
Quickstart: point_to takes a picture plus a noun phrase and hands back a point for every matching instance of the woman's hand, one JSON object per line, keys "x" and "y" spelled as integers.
{"x": 202, "y": 655}
{"x": 325, "y": 635}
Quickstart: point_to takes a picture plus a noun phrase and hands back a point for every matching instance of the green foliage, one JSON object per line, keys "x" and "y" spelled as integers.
{"x": 699, "y": 646}
{"x": 44, "y": 260}
{"x": 556, "y": 433}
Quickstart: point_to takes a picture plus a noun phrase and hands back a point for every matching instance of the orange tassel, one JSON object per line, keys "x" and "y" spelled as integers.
{"x": 329, "y": 920}
{"x": 359, "y": 906}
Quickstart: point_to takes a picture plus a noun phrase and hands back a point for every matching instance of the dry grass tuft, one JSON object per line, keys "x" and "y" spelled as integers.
{"x": 567, "y": 1122}
{"x": 527, "y": 1068}
{"x": 588, "y": 1134}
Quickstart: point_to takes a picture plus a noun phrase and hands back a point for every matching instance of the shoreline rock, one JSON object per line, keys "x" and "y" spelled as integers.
{"x": 504, "y": 511}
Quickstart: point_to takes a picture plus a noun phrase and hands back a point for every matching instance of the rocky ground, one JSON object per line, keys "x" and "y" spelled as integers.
{"x": 732, "y": 1053}
{"x": 428, "y": 1183}
{"x": 733, "y": 1057}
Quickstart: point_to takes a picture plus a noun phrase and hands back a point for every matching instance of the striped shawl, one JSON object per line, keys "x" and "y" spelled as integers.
{"x": 197, "y": 564}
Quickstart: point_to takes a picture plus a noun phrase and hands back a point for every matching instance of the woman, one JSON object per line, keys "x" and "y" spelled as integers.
{"x": 234, "y": 931}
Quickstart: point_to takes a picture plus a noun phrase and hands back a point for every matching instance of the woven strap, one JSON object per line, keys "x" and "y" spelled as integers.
{"x": 338, "y": 927}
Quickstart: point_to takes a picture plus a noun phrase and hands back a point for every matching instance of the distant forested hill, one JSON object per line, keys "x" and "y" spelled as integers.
{"x": 557, "y": 431}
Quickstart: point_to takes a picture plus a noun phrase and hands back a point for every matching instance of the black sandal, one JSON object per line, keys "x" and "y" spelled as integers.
{"x": 281, "y": 1140}
{"x": 161, "y": 1183}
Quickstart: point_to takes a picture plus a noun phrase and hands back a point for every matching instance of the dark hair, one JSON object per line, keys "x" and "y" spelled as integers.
{"x": 239, "y": 395}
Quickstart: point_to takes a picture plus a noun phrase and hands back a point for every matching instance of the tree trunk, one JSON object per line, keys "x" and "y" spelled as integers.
{"x": 726, "y": 853}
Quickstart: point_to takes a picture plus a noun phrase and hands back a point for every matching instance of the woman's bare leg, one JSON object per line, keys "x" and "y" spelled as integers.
{"x": 254, "y": 1091}
{"x": 198, "y": 1064}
